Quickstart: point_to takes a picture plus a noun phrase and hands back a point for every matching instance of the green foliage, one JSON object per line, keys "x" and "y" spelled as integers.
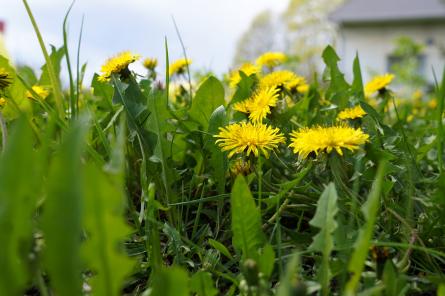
{"x": 208, "y": 97}
{"x": 370, "y": 210}
{"x": 64, "y": 204}
{"x": 19, "y": 182}
{"x": 246, "y": 220}
{"x": 324, "y": 242}
{"x": 135, "y": 197}
{"x": 171, "y": 282}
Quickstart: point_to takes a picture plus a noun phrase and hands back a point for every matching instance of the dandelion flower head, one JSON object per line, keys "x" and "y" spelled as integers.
{"x": 5, "y": 78}
{"x": 42, "y": 93}
{"x": 283, "y": 78}
{"x": 249, "y": 138}
{"x": 351, "y": 113}
{"x": 2, "y": 102}
{"x": 326, "y": 139}
{"x": 378, "y": 83}
{"x": 271, "y": 59}
{"x": 150, "y": 63}
{"x": 179, "y": 66}
{"x": 117, "y": 64}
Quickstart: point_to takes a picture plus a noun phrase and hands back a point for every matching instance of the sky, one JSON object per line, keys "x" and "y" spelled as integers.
{"x": 209, "y": 28}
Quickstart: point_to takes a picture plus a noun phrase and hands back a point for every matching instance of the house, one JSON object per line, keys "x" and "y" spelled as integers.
{"x": 370, "y": 27}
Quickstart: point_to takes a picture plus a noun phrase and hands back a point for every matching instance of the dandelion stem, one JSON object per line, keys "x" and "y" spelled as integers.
{"x": 260, "y": 182}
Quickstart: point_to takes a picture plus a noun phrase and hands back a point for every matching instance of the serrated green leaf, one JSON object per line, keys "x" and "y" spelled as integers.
{"x": 62, "y": 217}
{"x": 338, "y": 88}
{"x": 209, "y": 96}
{"x": 248, "y": 236}
{"x": 357, "y": 83}
{"x": 104, "y": 223}
{"x": 56, "y": 59}
{"x": 18, "y": 195}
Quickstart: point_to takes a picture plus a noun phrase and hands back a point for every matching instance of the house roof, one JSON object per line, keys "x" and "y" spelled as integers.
{"x": 381, "y": 11}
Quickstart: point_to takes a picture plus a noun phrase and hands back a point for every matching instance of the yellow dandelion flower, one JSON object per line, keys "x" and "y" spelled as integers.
{"x": 351, "y": 113}
{"x": 284, "y": 78}
{"x": 242, "y": 106}
{"x": 5, "y": 78}
{"x": 247, "y": 68}
{"x": 2, "y": 102}
{"x": 178, "y": 67}
{"x": 304, "y": 88}
{"x": 318, "y": 139}
{"x": 432, "y": 103}
{"x": 271, "y": 59}
{"x": 150, "y": 63}
{"x": 41, "y": 92}
{"x": 261, "y": 102}
{"x": 248, "y": 138}
{"x": 378, "y": 83}
{"x": 117, "y": 64}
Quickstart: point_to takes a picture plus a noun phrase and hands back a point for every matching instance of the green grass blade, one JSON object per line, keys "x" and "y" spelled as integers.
{"x": 370, "y": 210}
{"x": 58, "y": 97}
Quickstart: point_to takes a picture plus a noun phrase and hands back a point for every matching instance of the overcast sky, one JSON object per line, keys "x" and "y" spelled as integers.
{"x": 209, "y": 28}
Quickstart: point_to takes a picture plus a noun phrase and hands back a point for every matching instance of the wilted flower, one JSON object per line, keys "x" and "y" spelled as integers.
{"x": 117, "y": 64}
{"x": 249, "y": 138}
{"x": 318, "y": 139}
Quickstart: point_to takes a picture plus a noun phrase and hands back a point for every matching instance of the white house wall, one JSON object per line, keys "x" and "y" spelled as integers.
{"x": 375, "y": 43}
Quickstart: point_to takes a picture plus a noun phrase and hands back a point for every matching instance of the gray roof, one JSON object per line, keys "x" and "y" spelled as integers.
{"x": 378, "y": 11}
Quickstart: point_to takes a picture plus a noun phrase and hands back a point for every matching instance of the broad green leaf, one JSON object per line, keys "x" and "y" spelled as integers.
{"x": 363, "y": 242}
{"x": 56, "y": 59}
{"x": 18, "y": 195}
{"x": 201, "y": 284}
{"x": 338, "y": 88}
{"x": 106, "y": 228}
{"x": 244, "y": 88}
{"x": 209, "y": 96}
{"x": 324, "y": 241}
{"x": 171, "y": 281}
{"x": 248, "y": 236}
{"x": 218, "y": 160}
{"x": 62, "y": 215}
